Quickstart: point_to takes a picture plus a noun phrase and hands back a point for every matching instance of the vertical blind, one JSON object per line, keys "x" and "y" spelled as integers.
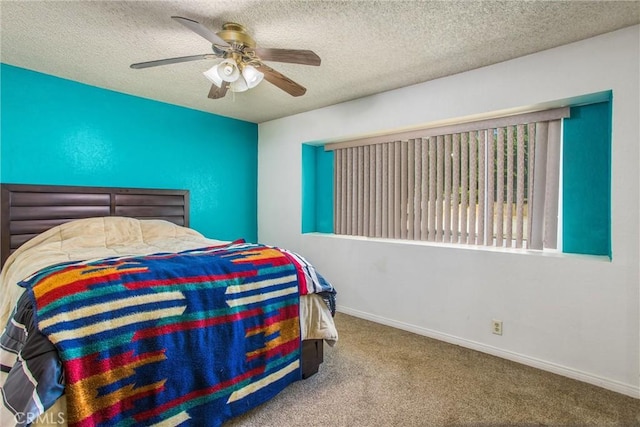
{"x": 493, "y": 182}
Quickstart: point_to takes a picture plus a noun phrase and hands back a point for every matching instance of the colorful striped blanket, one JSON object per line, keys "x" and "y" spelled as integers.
{"x": 195, "y": 337}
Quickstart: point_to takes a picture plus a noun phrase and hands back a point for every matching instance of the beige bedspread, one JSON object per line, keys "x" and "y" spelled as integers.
{"x": 89, "y": 239}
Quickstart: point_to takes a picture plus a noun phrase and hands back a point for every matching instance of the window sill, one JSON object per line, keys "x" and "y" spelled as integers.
{"x": 457, "y": 246}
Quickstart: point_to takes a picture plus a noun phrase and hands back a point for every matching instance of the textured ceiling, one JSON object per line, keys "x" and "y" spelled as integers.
{"x": 366, "y": 46}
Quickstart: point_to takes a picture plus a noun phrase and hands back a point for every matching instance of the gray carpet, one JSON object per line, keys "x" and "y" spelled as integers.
{"x": 381, "y": 376}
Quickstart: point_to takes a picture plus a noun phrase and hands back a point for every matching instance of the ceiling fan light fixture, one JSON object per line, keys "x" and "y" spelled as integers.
{"x": 239, "y": 85}
{"x": 228, "y": 70}
{"x": 212, "y": 75}
{"x": 252, "y": 76}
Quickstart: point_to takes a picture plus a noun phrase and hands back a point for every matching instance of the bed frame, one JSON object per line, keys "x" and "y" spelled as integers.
{"x": 28, "y": 210}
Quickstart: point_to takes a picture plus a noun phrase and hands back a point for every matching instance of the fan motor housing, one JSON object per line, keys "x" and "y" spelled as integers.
{"x": 236, "y": 33}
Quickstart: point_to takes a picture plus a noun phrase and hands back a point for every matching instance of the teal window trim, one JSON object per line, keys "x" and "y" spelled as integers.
{"x": 317, "y": 189}
{"x": 309, "y": 198}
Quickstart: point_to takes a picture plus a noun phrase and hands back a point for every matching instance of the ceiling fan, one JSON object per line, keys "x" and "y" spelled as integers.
{"x": 241, "y": 67}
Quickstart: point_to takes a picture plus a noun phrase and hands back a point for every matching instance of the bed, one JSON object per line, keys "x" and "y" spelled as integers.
{"x": 232, "y": 323}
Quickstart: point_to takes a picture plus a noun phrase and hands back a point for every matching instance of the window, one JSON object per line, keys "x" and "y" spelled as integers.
{"x": 492, "y": 182}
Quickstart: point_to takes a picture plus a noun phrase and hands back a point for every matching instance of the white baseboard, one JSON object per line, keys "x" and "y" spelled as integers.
{"x": 627, "y": 389}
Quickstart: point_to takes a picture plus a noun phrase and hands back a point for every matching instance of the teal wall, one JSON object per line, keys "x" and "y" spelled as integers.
{"x": 586, "y": 188}
{"x": 56, "y": 131}
{"x": 317, "y": 189}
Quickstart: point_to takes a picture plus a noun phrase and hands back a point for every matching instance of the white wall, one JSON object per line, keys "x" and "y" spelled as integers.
{"x": 575, "y": 315}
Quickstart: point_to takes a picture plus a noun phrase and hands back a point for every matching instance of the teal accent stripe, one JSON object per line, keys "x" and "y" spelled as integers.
{"x": 294, "y": 300}
{"x": 280, "y": 362}
{"x": 199, "y": 315}
{"x": 75, "y": 352}
{"x": 586, "y": 189}
{"x": 102, "y": 291}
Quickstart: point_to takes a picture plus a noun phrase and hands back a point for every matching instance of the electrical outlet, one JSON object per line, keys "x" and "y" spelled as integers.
{"x": 496, "y": 326}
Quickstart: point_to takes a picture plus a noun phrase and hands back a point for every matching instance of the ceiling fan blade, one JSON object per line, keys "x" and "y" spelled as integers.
{"x": 282, "y": 81}
{"x": 293, "y": 56}
{"x": 218, "y": 92}
{"x": 172, "y": 60}
{"x": 201, "y": 30}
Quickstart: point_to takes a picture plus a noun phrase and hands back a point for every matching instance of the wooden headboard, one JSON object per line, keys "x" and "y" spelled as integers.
{"x": 28, "y": 210}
